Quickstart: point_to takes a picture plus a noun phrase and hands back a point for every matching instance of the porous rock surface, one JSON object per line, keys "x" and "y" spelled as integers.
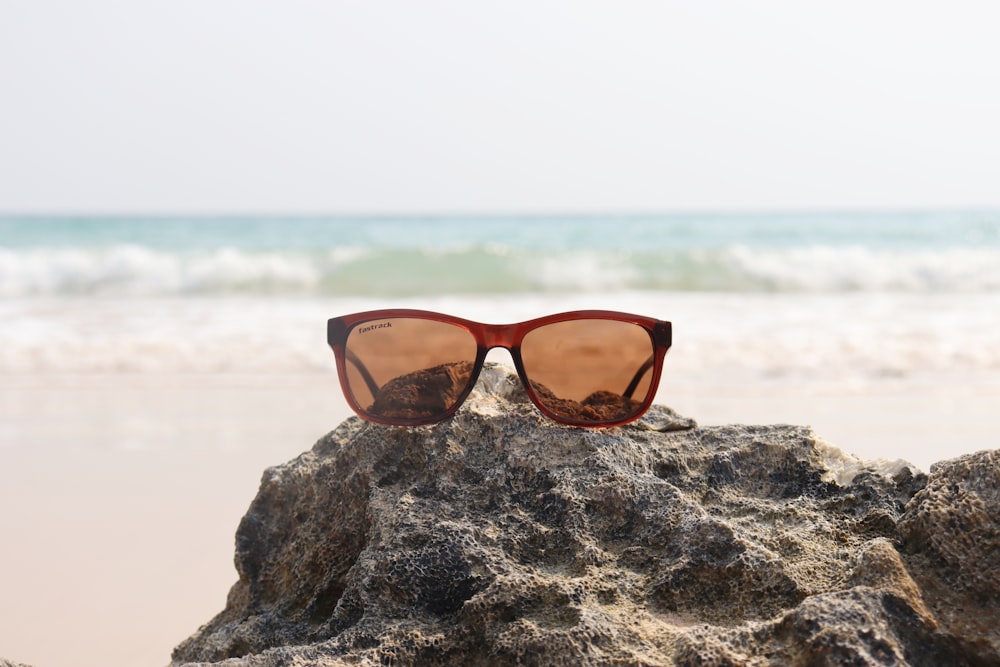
{"x": 500, "y": 538}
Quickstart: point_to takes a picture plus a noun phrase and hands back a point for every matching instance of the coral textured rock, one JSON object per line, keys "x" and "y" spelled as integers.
{"x": 500, "y": 538}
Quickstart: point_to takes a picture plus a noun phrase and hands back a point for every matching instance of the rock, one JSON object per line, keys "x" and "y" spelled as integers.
{"x": 951, "y": 530}
{"x": 8, "y": 663}
{"x": 501, "y": 538}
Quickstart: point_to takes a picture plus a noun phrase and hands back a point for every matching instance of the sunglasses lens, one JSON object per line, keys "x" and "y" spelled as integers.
{"x": 409, "y": 369}
{"x": 589, "y": 371}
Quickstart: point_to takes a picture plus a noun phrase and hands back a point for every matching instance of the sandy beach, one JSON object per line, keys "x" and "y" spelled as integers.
{"x": 122, "y": 495}
{"x": 123, "y": 491}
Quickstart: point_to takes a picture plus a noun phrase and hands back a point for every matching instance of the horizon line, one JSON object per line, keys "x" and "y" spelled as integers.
{"x": 509, "y": 214}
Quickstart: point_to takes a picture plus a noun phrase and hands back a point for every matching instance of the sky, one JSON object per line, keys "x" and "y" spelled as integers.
{"x": 425, "y": 106}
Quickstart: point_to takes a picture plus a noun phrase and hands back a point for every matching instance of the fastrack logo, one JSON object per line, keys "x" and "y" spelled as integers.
{"x": 372, "y": 327}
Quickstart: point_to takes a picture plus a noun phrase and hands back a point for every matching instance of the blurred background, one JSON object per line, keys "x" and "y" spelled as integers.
{"x": 189, "y": 190}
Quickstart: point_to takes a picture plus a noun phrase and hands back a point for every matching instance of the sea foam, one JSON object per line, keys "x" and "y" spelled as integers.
{"x": 852, "y": 341}
{"x": 133, "y": 270}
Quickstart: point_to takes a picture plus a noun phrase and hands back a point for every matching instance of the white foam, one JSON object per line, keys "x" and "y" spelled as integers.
{"x": 347, "y": 254}
{"x": 584, "y": 271}
{"x": 856, "y": 268}
{"x": 136, "y": 270}
{"x": 494, "y": 269}
{"x": 856, "y": 342}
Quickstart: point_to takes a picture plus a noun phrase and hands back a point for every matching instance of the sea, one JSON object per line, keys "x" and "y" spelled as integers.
{"x": 819, "y": 302}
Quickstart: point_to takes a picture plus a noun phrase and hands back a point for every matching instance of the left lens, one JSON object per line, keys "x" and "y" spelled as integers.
{"x": 408, "y": 369}
{"x": 589, "y": 371}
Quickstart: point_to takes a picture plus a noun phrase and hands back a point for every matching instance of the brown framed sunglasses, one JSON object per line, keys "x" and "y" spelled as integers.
{"x": 584, "y": 368}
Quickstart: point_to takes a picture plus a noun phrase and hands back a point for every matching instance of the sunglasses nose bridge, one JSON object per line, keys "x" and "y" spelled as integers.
{"x": 499, "y": 335}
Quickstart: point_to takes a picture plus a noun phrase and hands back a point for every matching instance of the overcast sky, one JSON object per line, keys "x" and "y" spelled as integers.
{"x": 469, "y": 106}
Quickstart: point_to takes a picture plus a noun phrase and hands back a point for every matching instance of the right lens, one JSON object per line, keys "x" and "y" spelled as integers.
{"x": 589, "y": 371}
{"x": 408, "y": 368}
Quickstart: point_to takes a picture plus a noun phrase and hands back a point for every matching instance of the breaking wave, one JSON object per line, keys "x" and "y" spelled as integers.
{"x": 135, "y": 270}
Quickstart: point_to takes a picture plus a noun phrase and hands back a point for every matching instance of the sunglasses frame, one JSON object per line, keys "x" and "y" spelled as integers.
{"x": 488, "y": 337}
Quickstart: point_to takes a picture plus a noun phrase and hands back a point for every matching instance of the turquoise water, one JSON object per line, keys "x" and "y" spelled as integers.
{"x": 663, "y": 232}
{"x": 371, "y": 256}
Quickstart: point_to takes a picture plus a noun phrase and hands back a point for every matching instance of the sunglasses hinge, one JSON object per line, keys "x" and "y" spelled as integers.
{"x": 336, "y": 331}
{"x": 663, "y": 333}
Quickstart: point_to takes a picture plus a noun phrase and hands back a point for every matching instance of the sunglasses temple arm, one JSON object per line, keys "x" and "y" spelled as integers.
{"x": 638, "y": 377}
{"x": 365, "y": 375}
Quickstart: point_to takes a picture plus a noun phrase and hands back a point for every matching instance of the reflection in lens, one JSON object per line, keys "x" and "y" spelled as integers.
{"x": 407, "y": 368}
{"x": 582, "y": 370}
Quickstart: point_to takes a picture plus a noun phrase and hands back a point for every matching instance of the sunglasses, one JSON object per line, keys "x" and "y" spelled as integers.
{"x": 584, "y": 368}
